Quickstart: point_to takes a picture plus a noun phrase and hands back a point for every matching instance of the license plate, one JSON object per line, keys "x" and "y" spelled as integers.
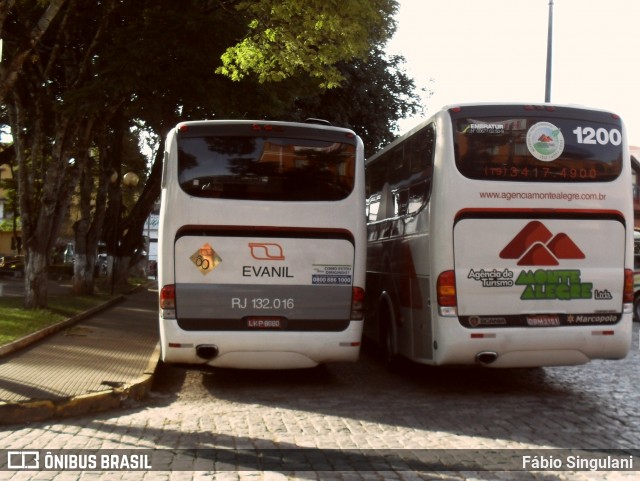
{"x": 265, "y": 322}
{"x": 543, "y": 320}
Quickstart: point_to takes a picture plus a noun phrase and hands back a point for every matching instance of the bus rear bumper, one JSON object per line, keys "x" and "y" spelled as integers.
{"x": 259, "y": 349}
{"x": 534, "y": 347}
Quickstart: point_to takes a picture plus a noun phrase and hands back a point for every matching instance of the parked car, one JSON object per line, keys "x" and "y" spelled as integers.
{"x": 12, "y": 265}
{"x": 101, "y": 265}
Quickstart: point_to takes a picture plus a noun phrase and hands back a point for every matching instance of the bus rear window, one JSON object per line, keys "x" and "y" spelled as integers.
{"x": 536, "y": 148}
{"x": 265, "y": 168}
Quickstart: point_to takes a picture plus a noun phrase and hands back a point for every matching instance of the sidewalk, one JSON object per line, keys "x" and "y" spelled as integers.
{"x": 96, "y": 362}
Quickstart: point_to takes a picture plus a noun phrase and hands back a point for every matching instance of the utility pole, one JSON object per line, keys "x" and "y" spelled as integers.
{"x": 547, "y": 90}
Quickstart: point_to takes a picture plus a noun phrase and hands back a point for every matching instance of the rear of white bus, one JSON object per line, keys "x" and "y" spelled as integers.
{"x": 262, "y": 251}
{"x": 540, "y": 270}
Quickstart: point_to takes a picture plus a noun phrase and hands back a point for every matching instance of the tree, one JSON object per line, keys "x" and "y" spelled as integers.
{"x": 288, "y": 37}
{"x": 96, "y": 69}
{"x": 52, "y": 133}
{"x": 373, "y": 96}
{"x": 162, "y": 100}
{"x": 26, "y": 44}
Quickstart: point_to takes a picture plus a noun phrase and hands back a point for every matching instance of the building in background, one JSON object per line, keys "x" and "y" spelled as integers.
{"x": 10, "y": 241}
{"x": 151, "y": 235}
{"x": 151, "y": 240}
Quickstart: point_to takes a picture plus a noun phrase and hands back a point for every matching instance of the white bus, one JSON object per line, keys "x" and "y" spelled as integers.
{"x": 262, "y": 245}
{"x": 501, "y": 235}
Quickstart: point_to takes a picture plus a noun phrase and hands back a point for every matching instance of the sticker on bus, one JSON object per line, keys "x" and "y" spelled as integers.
{"x": 542, "y": 269}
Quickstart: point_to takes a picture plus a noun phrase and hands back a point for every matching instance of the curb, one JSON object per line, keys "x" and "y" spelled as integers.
{"x": 42, "y": 410}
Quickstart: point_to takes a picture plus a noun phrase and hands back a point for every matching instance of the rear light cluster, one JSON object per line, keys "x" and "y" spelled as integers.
{"x": 168, "y": 302}
{"x": 627, "y": 296}
{"x": 446, "y": 294}
{"x": 357, "y": 303}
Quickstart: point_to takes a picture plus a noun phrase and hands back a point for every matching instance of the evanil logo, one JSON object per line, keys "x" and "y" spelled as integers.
{"x": 535, "y": 245}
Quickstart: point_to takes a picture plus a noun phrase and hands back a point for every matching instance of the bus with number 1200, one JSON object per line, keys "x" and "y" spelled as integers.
{"x": 501, "y": 236}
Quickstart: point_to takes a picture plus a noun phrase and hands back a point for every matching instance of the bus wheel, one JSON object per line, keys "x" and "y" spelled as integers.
{"x": 388, "y": 339}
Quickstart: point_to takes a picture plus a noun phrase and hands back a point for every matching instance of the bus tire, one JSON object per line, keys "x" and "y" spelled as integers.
{"x": 388, "y": 340}
{"x": 636, "y": 307}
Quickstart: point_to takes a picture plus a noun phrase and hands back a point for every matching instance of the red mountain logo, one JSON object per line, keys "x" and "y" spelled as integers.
{"x": 535, "y": 245}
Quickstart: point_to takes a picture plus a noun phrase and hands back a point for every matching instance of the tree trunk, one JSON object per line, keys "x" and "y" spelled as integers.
{"x": 117, "y": 271}
{"x": 36, "y": 282}
{"x": 83, "y": 274}
{"x": 133, "y": 224}
{"x": 122, "y": 269}
{"x": 89, "y": 225}
{"x": 44, "y": 186}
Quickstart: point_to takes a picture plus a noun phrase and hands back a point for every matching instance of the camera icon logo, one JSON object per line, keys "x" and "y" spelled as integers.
{"x": 23, "y": 460}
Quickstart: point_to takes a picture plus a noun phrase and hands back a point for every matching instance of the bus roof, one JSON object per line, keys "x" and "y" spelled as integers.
{"x": 315, "y": 124}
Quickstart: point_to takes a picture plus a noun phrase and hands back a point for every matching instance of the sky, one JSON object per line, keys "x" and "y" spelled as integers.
{"x": 496, "y": 51}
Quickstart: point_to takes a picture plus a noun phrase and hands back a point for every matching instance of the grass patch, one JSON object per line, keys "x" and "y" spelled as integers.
{"x": 17, "y": 322}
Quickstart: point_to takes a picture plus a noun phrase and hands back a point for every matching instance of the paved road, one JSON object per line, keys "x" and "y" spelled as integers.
{"x": 342, "y": 407}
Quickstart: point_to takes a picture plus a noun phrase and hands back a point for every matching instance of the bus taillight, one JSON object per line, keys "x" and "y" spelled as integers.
{"x": 168, "y": 302}
{"x": 357, "y": 303}
{"x": 446, "y": 290}
{"x": 627, "y": 296}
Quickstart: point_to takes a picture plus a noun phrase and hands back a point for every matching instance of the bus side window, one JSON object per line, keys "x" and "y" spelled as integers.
{"x": 375, "y": 179}
{"x": 387, "y": 207}
{"x": 398, "y": 166}
{"x": 401, "y": 197}
{"x": 422, "y": 148}
{"x": 373, "y": 205}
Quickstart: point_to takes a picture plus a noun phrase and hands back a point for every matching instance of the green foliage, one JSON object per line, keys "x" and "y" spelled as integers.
{"x": 375, "y": 94}
{"x": 102, "y": 67}
{"x": 287, "y": 37}
{"x": 7, "y": 225}
{"x": 17, "y": 322}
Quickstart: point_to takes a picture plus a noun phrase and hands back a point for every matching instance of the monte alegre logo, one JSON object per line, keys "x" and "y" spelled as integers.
{"x": 547, "y": 284}
{"x": 535, "y": 245}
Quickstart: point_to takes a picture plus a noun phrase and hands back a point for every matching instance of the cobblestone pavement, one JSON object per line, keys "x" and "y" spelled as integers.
{"x": 362, "y": 405}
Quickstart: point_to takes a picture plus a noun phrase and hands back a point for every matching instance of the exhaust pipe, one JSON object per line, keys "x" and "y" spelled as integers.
{"x": 486, "y": 357}
{"x": 207, "y": 351}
